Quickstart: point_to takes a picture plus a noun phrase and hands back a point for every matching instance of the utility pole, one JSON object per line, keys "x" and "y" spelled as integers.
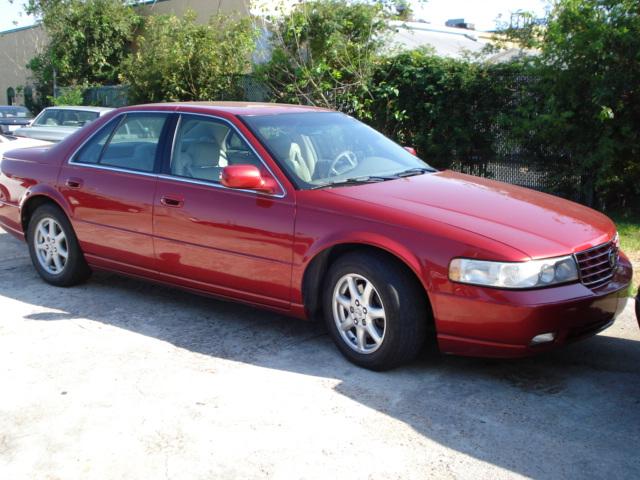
{"x": 55, "y": 86}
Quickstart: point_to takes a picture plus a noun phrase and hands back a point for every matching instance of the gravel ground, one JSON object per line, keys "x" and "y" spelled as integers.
{"x": 120, "y": 379}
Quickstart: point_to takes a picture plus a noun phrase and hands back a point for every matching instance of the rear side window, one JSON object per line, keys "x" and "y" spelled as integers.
{"x": 92, "y": 150}
{"x": 128, "y": 143}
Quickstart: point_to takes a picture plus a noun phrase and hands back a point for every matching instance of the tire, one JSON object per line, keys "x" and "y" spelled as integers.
{"x": 386, "y": 342}
{"x": 44, "y": 231}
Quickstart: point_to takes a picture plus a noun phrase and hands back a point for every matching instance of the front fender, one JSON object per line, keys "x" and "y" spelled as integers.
{"x": 365, "y": 238}
{"x": 310, "y": 259}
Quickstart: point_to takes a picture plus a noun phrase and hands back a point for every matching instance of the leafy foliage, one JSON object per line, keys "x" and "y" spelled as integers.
{"x": 178, "y": 59}
{"x": 324, "y": 52}
{"x": 447, "y": 109}
{"x": 88, "y": 40}
{"x": 587, "y": 99}
{"x": 69, "y": 96}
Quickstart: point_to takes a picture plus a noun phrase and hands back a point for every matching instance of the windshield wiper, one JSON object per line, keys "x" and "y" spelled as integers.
{"x": 414, "y": 171}
{"x": 353, "y": 181}
{"x": 375, "y": 178}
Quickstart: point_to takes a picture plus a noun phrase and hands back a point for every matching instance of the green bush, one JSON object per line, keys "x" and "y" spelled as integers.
{"x": 323, "y": 53}
{"x": 179, "y": 59}
{"x": 447, "y": 109}
{"x": 69, "y": 96}
{"x": 587, "y": 108}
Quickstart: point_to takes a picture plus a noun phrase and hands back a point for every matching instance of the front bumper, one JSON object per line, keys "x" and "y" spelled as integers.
{"x": 478, "y": 321}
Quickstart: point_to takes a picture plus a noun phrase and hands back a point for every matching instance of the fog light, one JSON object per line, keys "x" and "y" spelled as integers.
{"x": 543, "y": 338}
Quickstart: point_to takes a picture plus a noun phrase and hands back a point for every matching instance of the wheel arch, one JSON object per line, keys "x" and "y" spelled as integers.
{"x": 317, "y": 267}
{"x": 35, "y": 198}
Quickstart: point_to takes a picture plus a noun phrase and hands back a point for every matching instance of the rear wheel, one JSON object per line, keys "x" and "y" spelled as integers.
{"x": 54, "y": 248}
{"x": 374, "y": 310}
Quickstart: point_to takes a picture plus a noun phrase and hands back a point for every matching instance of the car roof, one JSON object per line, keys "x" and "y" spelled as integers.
{"x": 82, "y": 108}
{"x": 233, "y": 108}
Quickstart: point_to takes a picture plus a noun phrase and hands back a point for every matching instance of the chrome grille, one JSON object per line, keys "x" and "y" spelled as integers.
{"x": 597, "y": 265}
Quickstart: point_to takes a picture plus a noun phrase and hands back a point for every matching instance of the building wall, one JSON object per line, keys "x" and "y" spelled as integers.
{"x": 19, "y": 46}
{"x": 204, "y": 8}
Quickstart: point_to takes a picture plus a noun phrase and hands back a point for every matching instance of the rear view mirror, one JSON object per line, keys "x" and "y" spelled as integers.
{"x": 246, "y": 177}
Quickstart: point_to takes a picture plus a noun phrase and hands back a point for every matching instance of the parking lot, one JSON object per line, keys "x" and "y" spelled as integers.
{"x": 122, "y": 379}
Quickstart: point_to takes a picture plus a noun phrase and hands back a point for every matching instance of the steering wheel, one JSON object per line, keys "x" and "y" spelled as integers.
{"x": 350, "y": 162}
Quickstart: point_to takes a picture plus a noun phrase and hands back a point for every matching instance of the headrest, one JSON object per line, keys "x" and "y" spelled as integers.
{"x": 281, "y": 146}
{"x": 204, "y": 154}
{"x": 208, "y": 132}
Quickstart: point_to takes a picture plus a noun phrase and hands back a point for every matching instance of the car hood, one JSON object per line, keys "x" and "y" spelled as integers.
{"x": 537, "y": 224}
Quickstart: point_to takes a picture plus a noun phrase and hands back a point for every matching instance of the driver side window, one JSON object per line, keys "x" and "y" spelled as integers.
{"x": 204, "y": 146}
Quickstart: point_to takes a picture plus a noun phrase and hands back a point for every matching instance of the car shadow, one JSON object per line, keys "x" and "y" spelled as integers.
{"x": 572, "y": 412}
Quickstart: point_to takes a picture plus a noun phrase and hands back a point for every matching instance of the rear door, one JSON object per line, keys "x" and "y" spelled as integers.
{"x": 110, "y": 184}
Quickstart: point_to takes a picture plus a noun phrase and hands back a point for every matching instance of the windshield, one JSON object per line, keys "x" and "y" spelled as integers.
{"x": 14, "y": 112}
{"x": 57, "y": 117}
{"x": 321, "y": 149}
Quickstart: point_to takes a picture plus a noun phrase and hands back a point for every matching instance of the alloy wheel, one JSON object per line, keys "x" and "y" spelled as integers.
{"x": 52, "y": 249}
{"x": 358, "y": 313}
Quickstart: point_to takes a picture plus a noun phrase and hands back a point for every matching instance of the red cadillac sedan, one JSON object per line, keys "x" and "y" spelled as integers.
{"x": 311, "y": 213}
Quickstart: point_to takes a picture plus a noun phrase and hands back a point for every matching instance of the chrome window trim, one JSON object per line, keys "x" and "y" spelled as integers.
{"x": 115, "y": 169}
{"x": 173, "y": 177}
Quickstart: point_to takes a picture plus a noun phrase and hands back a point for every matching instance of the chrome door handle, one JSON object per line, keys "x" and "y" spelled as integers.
{"x": 73, "y": 182}
{"x": 171, "y": 202}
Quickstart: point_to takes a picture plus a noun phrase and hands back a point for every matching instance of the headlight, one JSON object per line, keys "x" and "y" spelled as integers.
{"x": 531, "y": 274}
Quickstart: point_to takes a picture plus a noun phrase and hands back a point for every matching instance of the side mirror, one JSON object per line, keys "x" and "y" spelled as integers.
{"x": 246, "y": 177}
{"x": 411, "y": 150}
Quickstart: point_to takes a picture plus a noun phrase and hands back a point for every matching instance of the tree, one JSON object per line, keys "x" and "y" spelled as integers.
{"x": 324, "y": 52}
{"x": 88, "y": 40}
{"x": 587, "y": 104}
{"x": 178, "y": 59}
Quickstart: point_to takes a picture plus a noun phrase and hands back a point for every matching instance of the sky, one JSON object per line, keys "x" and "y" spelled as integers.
{"x": 482, "y": 13}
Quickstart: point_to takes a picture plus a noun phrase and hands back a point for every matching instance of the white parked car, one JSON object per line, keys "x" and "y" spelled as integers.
{"x": 56, "y": 123}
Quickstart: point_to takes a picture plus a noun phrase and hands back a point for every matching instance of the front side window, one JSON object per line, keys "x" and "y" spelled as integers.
{"x": 129, "y": 142}
{"x": 319, "y": 149}
{"x": 204, "y": 146}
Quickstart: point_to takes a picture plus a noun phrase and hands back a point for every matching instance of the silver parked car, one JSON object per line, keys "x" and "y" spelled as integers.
{"x": 55, "y": 123}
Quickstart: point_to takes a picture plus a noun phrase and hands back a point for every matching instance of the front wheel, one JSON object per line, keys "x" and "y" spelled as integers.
{"x": 54, "y": 248}
{"x": 375, "y": 311}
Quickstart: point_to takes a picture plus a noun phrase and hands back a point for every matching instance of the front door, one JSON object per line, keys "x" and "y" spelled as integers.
{"x": 110, "y": 185}
{"x": 231, "y": 242}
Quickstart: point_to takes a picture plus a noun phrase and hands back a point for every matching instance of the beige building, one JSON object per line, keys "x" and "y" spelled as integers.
{"x": 17, "y": 47}
{"x": 20, "y": 45}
